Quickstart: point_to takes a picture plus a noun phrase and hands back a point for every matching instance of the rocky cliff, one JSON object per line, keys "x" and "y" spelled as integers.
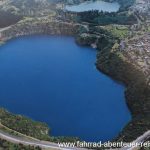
{"x": 39, "y": 26}
{"x": 129, "y": 62}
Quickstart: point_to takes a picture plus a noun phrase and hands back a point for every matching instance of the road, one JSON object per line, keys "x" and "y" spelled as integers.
{"x": 3, "y": 29}
{"x": 42, "y": 144}
{"x": 140, "y": 139}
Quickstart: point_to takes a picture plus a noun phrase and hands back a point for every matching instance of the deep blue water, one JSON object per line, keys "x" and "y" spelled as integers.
{"x": 51, "y": 79}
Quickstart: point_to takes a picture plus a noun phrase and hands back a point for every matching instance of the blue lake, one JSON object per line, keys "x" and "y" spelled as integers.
{"x": 94, "y": 5}
{"x": 52, "y": 79}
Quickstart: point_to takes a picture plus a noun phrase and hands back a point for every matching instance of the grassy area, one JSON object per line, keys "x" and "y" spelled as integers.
{"x": 117, "y": 31}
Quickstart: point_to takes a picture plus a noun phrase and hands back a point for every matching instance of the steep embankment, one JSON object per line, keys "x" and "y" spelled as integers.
{"x": 137, "y": 93}
{"x": 31, "y": 26}
{"x": 129, "y": 64}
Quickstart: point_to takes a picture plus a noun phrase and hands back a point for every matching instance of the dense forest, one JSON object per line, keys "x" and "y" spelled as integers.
{"x": 96, "y": 17}
{"x": 105, "y": 18}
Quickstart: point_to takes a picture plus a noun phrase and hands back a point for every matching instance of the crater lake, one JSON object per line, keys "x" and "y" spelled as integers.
{"x": 52, "y": 79}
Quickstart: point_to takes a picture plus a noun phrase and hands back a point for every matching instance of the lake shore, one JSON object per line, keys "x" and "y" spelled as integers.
{"x": 110, "y": 63}
{"x": 53, "y": 28}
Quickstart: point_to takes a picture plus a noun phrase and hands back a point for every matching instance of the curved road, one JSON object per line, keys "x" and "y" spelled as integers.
{"x": 139, "y": 140}
{"x": 42, "y": 144}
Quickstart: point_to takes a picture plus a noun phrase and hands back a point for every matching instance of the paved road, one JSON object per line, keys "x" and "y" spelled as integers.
{"x": 140, "y": 139}
{"x": 3, "y": 29}
{"x": 42, "y": 144}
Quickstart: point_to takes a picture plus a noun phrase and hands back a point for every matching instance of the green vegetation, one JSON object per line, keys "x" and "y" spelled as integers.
{"x": 118, "y": 31}
{"x": 114, "y": 64}
{"x": 96, "y": 35}
{"x": 86, "y": 39}
{"x": 106, "y": 18}
{"x": 5, "y": 145}
{"x": 59, "y": 139}
{"x": 29, "y": 127}
{"x": 138, "y": 126}
{"x": 102, "y": 31}
{"x": 24, "y": 125}
{"x": 96, "y": 17}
